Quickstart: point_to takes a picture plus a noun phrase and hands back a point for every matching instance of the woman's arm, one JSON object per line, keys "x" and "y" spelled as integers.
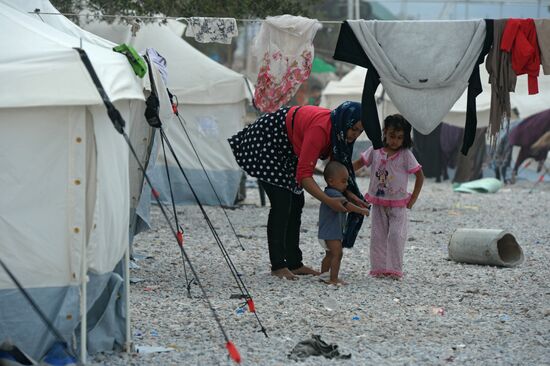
{"x": 417, "y": 187}
{"x": 309, "y": 184}
{"x": 355, "y": 200}
{"x": 357, "y": 209}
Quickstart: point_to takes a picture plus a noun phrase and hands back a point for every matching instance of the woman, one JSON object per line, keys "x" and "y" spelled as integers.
{"x": 281, "y": 149}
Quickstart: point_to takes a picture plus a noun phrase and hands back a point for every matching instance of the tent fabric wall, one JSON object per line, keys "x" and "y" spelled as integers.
{"x": 64, "y": 204}
{"x": 210, "y": 96}
{"x": 350, "y": 87}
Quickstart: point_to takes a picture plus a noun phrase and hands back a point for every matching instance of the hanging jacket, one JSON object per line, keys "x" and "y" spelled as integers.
{"x": 425, "y": 66}
{"x": 520, "y": 39}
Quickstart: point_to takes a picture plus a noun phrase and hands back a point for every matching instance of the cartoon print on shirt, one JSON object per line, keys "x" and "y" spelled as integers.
{"x": 382, "y": 175}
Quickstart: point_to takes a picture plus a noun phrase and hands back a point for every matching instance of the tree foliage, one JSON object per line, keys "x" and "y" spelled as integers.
{"x": 190, "y": 8}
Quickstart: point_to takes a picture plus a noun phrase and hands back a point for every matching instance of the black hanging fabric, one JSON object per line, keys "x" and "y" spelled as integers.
{"x": 349, "y": 49}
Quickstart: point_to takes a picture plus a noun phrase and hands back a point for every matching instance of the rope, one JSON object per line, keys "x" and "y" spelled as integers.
{"x": 209, "y": 181}
{"x": 240, "y": 283}
{"x": 118, "y": 123}
{"x": 180, "y": 231}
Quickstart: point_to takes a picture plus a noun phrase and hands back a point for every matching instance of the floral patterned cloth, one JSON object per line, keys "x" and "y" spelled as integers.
{"x": 284, "y": 46}
{"x": 206, "y": 30}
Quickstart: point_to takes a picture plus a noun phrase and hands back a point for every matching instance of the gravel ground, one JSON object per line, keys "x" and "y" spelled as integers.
{"x": 442, "y": 312}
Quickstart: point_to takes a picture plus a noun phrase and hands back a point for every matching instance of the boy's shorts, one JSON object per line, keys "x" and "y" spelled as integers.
{"x": 323, "y": 243}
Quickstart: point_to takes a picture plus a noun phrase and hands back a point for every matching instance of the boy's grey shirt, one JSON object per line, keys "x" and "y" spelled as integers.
{"x": 331, "y": 223}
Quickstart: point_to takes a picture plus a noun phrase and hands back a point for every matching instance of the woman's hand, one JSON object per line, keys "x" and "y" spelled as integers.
{"x": 356, "y": 200}
{"x": 337, "y": 203}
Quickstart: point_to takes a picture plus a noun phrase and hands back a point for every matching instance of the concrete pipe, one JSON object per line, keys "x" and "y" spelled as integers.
{"x": 485, "y": 246}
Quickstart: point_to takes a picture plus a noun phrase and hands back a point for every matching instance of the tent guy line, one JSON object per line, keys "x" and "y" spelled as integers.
{"x": 181, "y": 121}
{"x": 154, "y": 120}
{"x": 119, "y": 123}
{"x": 240, "y": 283}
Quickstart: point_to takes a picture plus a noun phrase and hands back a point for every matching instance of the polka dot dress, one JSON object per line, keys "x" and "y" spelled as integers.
{"x": 264, "y": 151}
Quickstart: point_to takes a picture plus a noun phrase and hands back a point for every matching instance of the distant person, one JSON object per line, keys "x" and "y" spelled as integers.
{"x": 525, "y": 135}
{"x": 390, "y": 169}
{"x": 331, "y": 223}
{"x": 281, "y": 150}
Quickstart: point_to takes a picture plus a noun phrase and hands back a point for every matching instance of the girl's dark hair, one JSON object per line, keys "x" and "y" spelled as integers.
{"x": 399, "y": 123}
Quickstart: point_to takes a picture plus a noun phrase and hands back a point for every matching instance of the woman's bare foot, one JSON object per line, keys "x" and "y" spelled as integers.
{"x": 303, "y": 270}
{"x": 284, "y": 273}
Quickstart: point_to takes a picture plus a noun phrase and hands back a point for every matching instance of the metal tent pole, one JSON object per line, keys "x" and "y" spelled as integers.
{"x": 127, "y": 299}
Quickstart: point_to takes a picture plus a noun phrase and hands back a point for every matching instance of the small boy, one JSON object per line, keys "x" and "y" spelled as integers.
{"x": 331, "y": 223}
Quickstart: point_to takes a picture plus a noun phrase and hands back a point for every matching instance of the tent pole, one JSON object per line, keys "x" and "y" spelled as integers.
{"x": 127, "y": 298}
{"x": 83, "y": 308}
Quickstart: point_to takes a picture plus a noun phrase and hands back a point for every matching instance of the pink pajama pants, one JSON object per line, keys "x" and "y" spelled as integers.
{"x": 388, "y": 237}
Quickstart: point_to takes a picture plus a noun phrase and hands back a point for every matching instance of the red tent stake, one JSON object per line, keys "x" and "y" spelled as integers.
{"x": 233, "y": 352}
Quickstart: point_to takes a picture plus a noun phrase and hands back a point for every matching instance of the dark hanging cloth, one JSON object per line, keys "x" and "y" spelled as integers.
{"x": 426, "y": 149}
{"x": 315, "y": 347}
{"x": 343, "y": 118}
{"x": 349, "y": 49}
{"x": 474, "y": 89}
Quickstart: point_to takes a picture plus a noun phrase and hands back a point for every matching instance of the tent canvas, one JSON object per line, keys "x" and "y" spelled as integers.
{"x": 350, "y": 87}
{"x": 141, "y": 134}
{"x": 211, "y": 101}
{"x": 65, "y": 202}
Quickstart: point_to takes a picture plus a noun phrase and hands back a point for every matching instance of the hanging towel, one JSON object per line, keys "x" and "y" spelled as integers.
{"x": 206, "y": 30}
{"x": 543, "y": 36}
{"x": 160, "y": 62}
{"x": 284, "y": 46}
{"x": 502, "y": 79}
{"x": 425, "y": 66}
{"x": 520, "y": 39}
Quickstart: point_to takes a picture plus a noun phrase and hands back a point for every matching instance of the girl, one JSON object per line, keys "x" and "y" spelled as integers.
{"x": 390, "y": 167}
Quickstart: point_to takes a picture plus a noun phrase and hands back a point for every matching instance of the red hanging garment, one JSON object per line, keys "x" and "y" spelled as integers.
{"x": 520, "y": 39}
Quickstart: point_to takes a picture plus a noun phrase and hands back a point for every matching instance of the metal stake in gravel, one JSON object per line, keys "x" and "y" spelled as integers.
{"x": 119, "y": 123}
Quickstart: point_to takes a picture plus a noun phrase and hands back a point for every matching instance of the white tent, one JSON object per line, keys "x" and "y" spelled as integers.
{"x": 350, "y": 87}
{"x": 211, "y": 102}
{"x": 141, "y": 134}
{"x": 64, "y": 203}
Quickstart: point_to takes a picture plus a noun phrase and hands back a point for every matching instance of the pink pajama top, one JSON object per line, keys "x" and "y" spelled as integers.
{"x": 389, "y": 176}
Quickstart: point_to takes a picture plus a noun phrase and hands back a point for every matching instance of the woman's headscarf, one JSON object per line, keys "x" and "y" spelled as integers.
{"x": 343, "y": 118}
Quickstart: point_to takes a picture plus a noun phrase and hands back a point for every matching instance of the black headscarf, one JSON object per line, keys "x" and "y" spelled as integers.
{"x": 343, "y": 118}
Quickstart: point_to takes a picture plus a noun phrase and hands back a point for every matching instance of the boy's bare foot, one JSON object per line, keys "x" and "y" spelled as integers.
{"x": 303, "y": 270}
{"x": 338, "y": 282}
{"x": 284, "y": 273}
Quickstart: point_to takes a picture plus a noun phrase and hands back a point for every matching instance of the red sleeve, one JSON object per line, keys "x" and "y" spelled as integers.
{"x": 509, "y": 34}
{"x": 313, "y": 144}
